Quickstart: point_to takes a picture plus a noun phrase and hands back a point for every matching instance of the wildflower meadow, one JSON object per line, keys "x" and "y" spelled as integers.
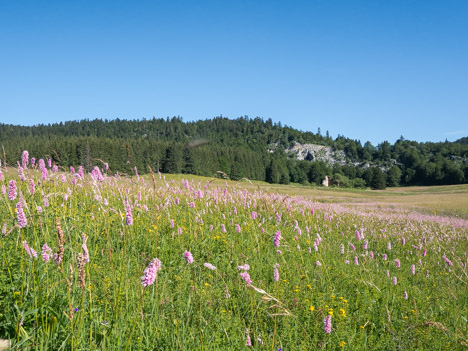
{"x": 98, "y": 260}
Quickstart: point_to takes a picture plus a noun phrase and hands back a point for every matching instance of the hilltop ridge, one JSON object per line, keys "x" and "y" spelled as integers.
{"x": 244, "y": 147}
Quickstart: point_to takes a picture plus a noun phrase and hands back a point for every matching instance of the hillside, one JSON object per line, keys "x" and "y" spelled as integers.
{"x": 244, "y": 147}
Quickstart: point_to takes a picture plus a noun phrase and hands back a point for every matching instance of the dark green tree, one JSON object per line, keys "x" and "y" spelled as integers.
{"x": 174, "y": 159}
{"x": 393, "y": 176}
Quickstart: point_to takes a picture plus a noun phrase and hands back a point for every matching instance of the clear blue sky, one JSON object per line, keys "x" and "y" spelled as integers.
{"x": 368, "y": 70}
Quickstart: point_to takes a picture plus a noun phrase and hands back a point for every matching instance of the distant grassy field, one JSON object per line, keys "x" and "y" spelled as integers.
{"x": 446, "y": 200}
{"x": 177, "y": 262}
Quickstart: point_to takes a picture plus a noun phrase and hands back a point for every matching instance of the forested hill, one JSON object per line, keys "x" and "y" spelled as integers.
{"x": 251, "y": 148}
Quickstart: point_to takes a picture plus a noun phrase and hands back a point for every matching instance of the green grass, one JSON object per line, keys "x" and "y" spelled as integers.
{"x": 189, "y": 307}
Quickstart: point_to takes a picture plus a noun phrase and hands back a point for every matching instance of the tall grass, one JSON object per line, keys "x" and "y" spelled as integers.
{"x": 332, "y": 260}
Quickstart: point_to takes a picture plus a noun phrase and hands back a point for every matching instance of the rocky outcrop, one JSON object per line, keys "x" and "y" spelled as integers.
{"x": 313, "y": 152}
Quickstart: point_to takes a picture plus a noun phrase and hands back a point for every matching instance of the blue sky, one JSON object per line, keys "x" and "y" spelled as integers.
{"x": 368, "y": 70}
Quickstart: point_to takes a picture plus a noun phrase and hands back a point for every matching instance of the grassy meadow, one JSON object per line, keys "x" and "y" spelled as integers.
{"x": 157, "y": 262}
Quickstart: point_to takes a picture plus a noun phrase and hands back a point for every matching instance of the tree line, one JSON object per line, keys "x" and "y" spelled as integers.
{"x": 236, "y": 148}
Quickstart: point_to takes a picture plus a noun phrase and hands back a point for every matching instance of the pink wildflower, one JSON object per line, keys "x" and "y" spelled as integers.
{"x": 21, "y": 217}
{"x": 32, "y": 186}
{"x": 149, "y": 275}
{"x": 25, "y": 159}
{"x": 46, "y": 252}
{"x": 447, "y": 260}
{"x": 246, "y": 277}
{"x": 358, "y": 235}
{"x": 45, "y": 173}
{"x": 277, "y": 238}
{"x": 188, "y": 257}
{"x": 248, "y": 341}
{"x": 26, "y": 247}
{"x": 12, "y": 190}
{"x": 21, "y": 173}
{"x": 327, "y": 324}
{"x": 245, "y": 267}
{"x": 276, "y": 273}
{"x": 128, "y": 216}
{"x": 209, "y": 266}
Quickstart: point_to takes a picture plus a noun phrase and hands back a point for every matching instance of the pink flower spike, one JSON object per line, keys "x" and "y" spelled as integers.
{"x": 46, "y": 252}
{"x": 447, "y": 260}
{"x": 276, "y": 274}
{"x": 245, "y": 267}
{"x": 25, "y": 159}
{"x": 149, "y": 275}
{"x": 277, "y": 238}
{"x": 26, "y": 247}
{"x": 21, "y": 217}
{"x": 246, "y": 277}
{"x": 248, "y": 342}
{"x": 327, "y": 324}
{"x": 358, "y": 235}
{"x": 188, "y": 257}
{"x": 12, "y": 190}
{"x": 209, "y": 266}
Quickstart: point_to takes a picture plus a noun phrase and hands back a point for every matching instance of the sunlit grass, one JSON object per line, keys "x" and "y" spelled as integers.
{"x": 334, "y": 259}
